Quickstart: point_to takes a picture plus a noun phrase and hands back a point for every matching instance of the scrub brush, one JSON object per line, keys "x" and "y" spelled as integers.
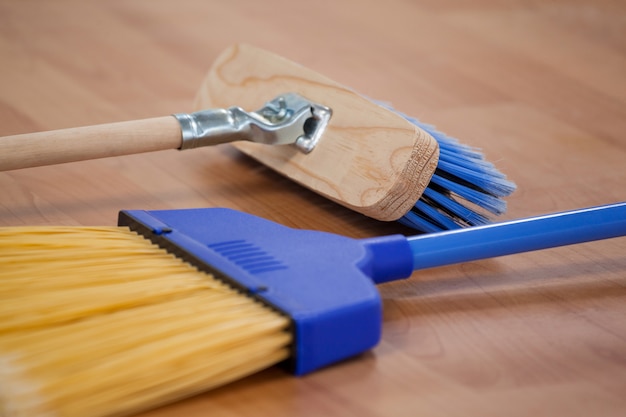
{"x": 111, "y": 321}
{"x": 368, "y": 157}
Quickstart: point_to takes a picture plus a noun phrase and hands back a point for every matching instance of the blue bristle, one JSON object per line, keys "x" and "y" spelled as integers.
{"x": 419, "y": 221}
{"x": 436, "y": 216}
{"x": 484, "y": 200}
{"x": 463, "y": 187}
{"x": 492, "y": 184}
{"x": 470, "y": 163}
{"x": 464, "y": 214}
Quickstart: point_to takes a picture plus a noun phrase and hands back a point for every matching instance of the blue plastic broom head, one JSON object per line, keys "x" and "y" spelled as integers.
{"x": 323, "y": 282}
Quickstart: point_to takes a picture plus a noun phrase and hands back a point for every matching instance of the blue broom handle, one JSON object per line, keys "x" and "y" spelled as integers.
{"x": 517, "y": 236}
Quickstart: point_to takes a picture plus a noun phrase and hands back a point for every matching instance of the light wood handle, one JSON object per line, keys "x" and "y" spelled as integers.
{"x": 91, "y": 142}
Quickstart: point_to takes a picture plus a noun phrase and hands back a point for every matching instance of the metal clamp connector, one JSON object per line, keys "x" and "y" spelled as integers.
{"x": 289, "y": 119}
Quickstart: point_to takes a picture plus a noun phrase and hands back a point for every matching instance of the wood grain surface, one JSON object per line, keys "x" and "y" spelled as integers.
{"x": 371, "y": 160}
{"x": 540, "y": 86}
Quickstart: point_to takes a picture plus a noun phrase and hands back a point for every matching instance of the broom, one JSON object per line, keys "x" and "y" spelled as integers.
{"x": 112, "y": 321}
{"x": 368, "y": 158}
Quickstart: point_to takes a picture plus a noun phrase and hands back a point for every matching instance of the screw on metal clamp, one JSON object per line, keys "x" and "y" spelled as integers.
{"x": 288, "y": 119}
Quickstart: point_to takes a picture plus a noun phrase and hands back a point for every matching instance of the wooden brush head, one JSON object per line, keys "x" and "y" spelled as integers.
{"x": 369, "y": 159}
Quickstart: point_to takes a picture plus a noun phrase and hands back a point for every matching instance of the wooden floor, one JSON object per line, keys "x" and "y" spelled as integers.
{"x": 539, "y": 85}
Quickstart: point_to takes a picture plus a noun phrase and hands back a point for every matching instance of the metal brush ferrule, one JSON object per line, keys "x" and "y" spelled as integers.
{"x": 289, "y": 119}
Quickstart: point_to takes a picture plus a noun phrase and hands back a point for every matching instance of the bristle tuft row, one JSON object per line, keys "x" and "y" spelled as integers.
{"x": 99, "y": 322}
{"x": 464, "y": 190}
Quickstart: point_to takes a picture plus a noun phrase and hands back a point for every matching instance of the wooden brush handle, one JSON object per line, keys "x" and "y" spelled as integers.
{"x": 91, "y": 142}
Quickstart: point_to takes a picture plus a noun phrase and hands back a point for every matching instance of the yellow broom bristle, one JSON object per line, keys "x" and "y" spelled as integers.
{"x": 101, "y": 322}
